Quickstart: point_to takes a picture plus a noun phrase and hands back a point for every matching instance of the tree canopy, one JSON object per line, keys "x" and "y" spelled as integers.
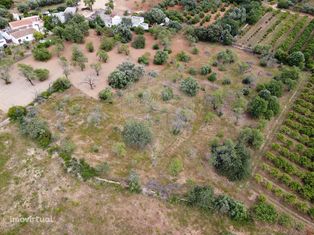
{"x": 231, "y": 160}
{"x": 125, "y": 74}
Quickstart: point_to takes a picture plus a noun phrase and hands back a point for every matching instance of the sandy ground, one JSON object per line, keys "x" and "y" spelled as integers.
{"x": 98, "y": 4}
{"x": 120, "y": 6}
{"x": 21, "y": 92}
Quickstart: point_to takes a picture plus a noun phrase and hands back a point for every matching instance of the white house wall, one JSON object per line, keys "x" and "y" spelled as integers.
{"x": 27, "y": 38}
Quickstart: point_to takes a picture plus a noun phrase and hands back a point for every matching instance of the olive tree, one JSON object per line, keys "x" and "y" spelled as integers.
{"x": 230, "y": 160}
{"x": 124, "y": 33}
{"x": 136, "y": 134}
{"x": 189, "y": 86}
{"x": 28, "y": 72}
{"x": 103, "y": 56}
{"x": 139, "y": 42}
{"x": 65, "y": 66}
{"x": 161, "y": 57}
{"x": 125, "y": 74}
{"x": 296, "y": 59}
{"x": 96, "y": 67}
{"x": 239, "y": 107}
{"x": 155, "y": 15}
{"x": 5, "y": 68}
{"x": 78, "y": 58}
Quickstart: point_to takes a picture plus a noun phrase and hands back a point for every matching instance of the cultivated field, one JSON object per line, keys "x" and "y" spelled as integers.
{"x": 287, "y": 168}
{"x": 279, "y": 30}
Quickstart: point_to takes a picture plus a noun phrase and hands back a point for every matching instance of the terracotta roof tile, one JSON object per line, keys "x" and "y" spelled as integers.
{"x": 23, "y": 22}
{"x": 22, "y": 33}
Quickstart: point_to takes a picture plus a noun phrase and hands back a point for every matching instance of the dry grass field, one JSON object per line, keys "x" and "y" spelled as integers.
{"x": 94, "y": 128}
{"x": 38, "y": 182}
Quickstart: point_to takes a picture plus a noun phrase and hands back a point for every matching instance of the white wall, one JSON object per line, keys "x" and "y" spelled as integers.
{"x": 27, "y": 38}
{"x": 2, "y": 42}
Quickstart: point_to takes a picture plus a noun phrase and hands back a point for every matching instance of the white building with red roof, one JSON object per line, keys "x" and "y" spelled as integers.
{"x": 22, "y": 30}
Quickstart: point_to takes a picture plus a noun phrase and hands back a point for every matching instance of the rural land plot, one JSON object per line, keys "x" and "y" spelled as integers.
{"x": 258, "y": 36}
{"x": 280, "y": 29}
{"x": 300, "y": 20}
{"x": 252, "y": 31}
{"x": 288, "y": 161}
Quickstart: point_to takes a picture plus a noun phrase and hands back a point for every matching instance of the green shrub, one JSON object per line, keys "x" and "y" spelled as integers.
{"x": 119, "y": 149}
{"x": 209, "y": 117}
{"x": 252, "y": 137}
{"x": 139, "y": 42}
{"x": 41, "y": 74}
{"x": 134, "y": 183}
{"x": 192, "y": 71}
{"x": 205, "y": 70}
{"x": 264, "y": 212}
{"x": 283, "y": 4}
{"x": 226, "y": 81}
{"x": 136, "y": 134}
{"x": 264, "y": 105}
{"x": 160, "y": 57}
{"x": 78, "y": 58}
{"x": 189, "y": 86}
{"x": 296, "y": 59}
{"x": 212, "y": 77}
{"x": 41, "y": 54}
{"x": 175, "y": 166}
{"x": 123, "y": 49}
{"x": 201, "y": 197}
{"x": 248, "y": 80}
{"x": 16, "y": 113}
{"x": 107, "y": 44}
{"x": 195, "y": 51}
{"x": 234, "y": 209}
{"x": 144, "y": 59}
{"x": 183, "y": 57}
{"x": 167, "y": 94}
{"x": 156, "y": 47}
{"x": 90, "y": 47}
{"x": 103, "y": 56}
{"x": 139, "y": 30}
{"x": 123, "y": 33}
{"x": 106, "y": 95}
{"x": 284, "y": 220}
{"x": 125, "y": 74}
{"x": 80, "y": 168}
{"x": 66, "y": 149}
{"x": 37, "y": 130}
{"x": 61, "y": 84}
{"x": 232, "y": 161}
{"x": 155, "y": 15}
{"x": 225, "y": 57}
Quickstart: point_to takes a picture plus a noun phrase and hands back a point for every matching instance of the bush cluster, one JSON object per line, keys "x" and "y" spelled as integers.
{"x": 136, "y": 134}
{"x": 189, "y": 86}
{"x": 125, "y": 74}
